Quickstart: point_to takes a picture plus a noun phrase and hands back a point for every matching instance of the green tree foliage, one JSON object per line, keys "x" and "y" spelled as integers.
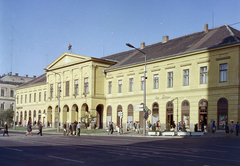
{"x": 6, "y": 116}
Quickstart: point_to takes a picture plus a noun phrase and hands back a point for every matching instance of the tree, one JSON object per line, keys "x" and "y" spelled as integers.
{"x": 6, "y": 116}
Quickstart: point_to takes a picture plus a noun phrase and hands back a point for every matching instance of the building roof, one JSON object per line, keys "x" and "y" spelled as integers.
{"x": 39, "y": 80}
{"x": 212, "y": 38}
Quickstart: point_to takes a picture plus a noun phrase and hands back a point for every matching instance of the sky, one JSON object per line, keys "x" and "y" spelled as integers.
{"x": 35, "y": 33}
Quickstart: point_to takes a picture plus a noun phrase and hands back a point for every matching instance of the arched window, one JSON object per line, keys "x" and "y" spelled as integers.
{"x": 109, "y": 115}
{"x": 130, "y": 114}
{"x": 185, "y": 114}
{"x": 119, "y": 109}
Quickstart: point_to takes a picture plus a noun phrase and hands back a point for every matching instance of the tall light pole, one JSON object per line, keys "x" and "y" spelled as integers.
{"x": 144, "y": 93}
{"x": 58, "y": 96}
{"x": 14, "y": 126}
{"x": 177, "y": 110}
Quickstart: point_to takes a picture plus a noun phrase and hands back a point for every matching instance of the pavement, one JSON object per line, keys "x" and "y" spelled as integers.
{"x": 217, "y": 134}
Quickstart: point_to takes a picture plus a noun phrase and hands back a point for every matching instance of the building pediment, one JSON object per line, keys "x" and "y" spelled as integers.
{"x": 67, "y": 59}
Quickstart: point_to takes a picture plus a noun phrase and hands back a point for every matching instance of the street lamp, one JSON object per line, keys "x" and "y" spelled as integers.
{"x": 14, "y": 125}
{"x": 58, "y": 96}
{"x": 144, "y": 94}
{"x": 177, "y": 111}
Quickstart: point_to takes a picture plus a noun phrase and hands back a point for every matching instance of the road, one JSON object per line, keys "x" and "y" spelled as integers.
{"x": 53, "y": 149}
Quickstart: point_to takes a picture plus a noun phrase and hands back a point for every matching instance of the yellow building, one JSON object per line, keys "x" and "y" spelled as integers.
{"x": 192, "y": 79}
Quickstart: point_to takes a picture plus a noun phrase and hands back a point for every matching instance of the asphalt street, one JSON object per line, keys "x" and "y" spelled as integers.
{"x": 56, "y": 149}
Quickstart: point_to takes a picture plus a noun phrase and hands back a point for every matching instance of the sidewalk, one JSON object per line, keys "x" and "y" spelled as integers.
{"x": 217, "y": 134}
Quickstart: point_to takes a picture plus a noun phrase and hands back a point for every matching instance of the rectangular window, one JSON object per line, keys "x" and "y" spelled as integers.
{"x": 45, "y": 95}
{"x": 25, "y": 98}
{"x": 130, "y": 84}
{"x": 110, "y": 87}
{"x": 203, "y": 75}
{"x": 51, "y": 90}
{"x": 17, "y": 99}
{"x": 21, "y": 98}
{"x": 12, "y": 93}
{"x": 223, "y": 72}
{"x": 40, "y": 96}
{"x": 35, "y": 95}
{"x": 2, "y": 105}
{"x": 170, "y": 79}
{"x": 85, "y": 85}
{"x": 142, "y": 83}
{"x": 67, "y": 88}
{"x": 59, "y": 89}
{"x": 2, "y": 91}
{"x": 30, "y": 97}
{"x": 185, "y": 77}
{"x": 119, "y": 86}
{"x": 155, "y": 81}
{"x": 76, "y": 87}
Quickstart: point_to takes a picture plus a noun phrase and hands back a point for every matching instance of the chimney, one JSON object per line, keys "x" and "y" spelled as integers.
{"x": 142, "y": 45}
{"x": 205, "y": 28}
{"x": 16, "y": 74}
{"x": 165, "y": 39}
{"x": 34, "y": 76}
{"x": 10, "y": 73}
{"x": 26, "y": 76}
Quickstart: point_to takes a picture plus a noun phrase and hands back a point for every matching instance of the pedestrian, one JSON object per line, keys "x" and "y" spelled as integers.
{"x": 40, "y": 128}
{"x": 226, "y": 129}
{"x": 5, "y": 129}
{"x": 213, "y": 127}
{"x": 202, "y": 127}
{"x": 79, "y": 128}
{"x": 231, "y": 128}
{"x": 48, "y": 124}
{"x": 111, "y": 126}
{"x": 237, "y": 129}
{"x": 70, "y": 129}
{"x": 173, "y": 125}
{"x": 29, "y": 129}
{"x": 74, "y": 129}
{"x": 64, "y": 129}
{"x": 180, "y": 126}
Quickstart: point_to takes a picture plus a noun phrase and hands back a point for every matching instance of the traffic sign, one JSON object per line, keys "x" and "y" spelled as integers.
{"x": 149, "y": 111}
{"x": 146, "y": 116}
{"x": 139, "y": 109}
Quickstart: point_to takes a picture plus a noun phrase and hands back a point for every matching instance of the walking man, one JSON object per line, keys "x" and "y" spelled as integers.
{"x": 5, "y": 129}
{"x": 237, "y": 129}
{"x": 29, "y": 129}
{"x": 40, "y": 129}
{"x": 231, "y": 128}
{"x": 79, "y": 128}
{"x": 111, "y": 127}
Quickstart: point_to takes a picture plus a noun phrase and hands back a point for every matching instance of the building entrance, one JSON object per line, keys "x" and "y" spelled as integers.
{"x": 169, "y": 115}
{"x": 203, "y": 113}
{"x": 100, "y": 116}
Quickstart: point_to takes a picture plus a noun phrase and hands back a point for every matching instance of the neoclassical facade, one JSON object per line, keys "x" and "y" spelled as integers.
{"x": 193, "y": 79}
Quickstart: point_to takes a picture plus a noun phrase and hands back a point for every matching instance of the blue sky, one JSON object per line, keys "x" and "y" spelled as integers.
{"x": 42, "y": 30}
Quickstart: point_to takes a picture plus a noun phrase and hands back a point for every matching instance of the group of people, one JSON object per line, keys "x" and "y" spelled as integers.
{"x": 231, "y": 127}
{"x": 72, "y": 129}
{"x": 29, "y": 128}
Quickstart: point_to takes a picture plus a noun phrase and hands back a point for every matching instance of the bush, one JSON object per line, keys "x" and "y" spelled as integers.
{"x": 184, "y": 127}
{"x": 6, "y": 116}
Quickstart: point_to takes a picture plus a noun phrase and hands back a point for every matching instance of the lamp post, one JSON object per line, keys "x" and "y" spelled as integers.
{"x": 58, "y": 96}
{"x": 177, "y": 110}
{"x": 144, "y": 93}
{"x": 14, "y": 121}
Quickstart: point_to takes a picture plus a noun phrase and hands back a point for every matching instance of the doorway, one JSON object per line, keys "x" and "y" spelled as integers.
{"x": 100, "y": 116}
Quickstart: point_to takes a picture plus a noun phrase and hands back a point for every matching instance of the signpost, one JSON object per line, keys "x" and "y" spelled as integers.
{"x": 138, "y": 107}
